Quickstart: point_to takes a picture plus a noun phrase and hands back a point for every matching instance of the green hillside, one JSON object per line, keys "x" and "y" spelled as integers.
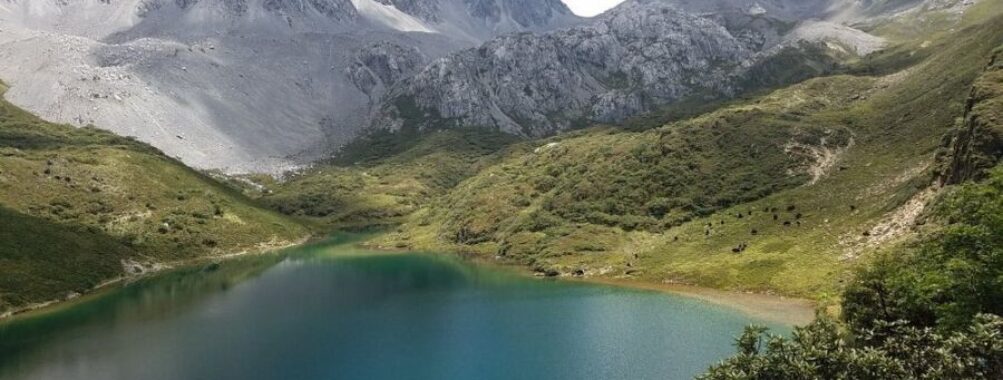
{"x": 783, "y": 192}
{"x": 380, "y": 180}
{"x": 79, "y": 207}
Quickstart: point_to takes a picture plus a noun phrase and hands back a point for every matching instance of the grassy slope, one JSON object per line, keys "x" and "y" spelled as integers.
{"x": 75, "y": 203}
{"x": 636, "y": 201}
{"x": 601, "y": 180}
{"x": 388, "y": 178}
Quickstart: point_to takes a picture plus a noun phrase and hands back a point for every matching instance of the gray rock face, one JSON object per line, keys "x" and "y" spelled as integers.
{"x": 239, "y": 85}
{"x": 381, "y": 65}
{"x": 267, "y": 85}
{"x": 642, "y": 54}
{"x": 630, "y": 60}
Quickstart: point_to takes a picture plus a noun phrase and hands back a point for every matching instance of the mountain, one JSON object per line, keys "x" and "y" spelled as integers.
{"x": 80, "y": 207}
{"x": 780, "y": 190}
{"x": 259, "y": 85}
{"x": 641, "y": 55}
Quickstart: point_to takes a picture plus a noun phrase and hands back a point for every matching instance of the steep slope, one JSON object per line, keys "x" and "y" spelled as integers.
{"x": 260, "y": 85}
{"x": 630, "y": 60}
{"x": 747, "y": 197}
{"x": 382, "y": 180}
{"x": 79, "y": 207}
{"x": 978, "y": 144}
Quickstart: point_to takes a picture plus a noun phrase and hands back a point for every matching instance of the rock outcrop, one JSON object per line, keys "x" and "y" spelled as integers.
{"x": 239, "y": 85}
{"x": 977, "y": 145}
{"x": 643, "y": 54}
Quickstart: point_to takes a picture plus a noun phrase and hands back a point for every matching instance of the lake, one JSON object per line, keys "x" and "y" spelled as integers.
{"x": 333, "y": 311}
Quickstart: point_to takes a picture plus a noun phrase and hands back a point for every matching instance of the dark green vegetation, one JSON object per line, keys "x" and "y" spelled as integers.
{"x": 381, "y": 179}
{"x": 782, "y": 192}
{"x": 822, "y": 350}
{"x": 926, "y": 310}
{"x": 931, "y": 312}
{"x": 79, "y": 207}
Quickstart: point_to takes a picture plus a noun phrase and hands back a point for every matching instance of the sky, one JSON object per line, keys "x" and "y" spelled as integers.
{"x": 589, "y": 8}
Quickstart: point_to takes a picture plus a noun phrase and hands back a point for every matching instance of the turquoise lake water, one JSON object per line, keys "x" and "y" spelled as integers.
{"x": 330, "y": 311}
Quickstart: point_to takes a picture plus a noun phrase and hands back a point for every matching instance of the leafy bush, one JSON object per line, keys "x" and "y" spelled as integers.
{"x": 932, "y": 313}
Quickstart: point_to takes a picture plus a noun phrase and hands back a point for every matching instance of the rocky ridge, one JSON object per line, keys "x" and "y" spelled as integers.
{"x": 641, "y": 55}
{"x": 237, "y": 85}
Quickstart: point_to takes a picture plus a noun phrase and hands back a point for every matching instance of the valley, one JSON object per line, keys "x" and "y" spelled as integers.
{"x": 759, "y": 157}
{"x": 809, "y": 181}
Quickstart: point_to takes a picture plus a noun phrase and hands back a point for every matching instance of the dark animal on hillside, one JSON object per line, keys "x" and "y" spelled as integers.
{"x": 740, "y": 248}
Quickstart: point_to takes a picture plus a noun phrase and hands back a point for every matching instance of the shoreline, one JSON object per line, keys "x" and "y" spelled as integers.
{"x": 790, "y": 311}
{"x": 39, "y": 308}
{"x": 770, "y": 308}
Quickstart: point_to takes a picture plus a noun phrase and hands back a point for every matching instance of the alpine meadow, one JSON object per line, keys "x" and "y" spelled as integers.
{"x": 501, "y": 189}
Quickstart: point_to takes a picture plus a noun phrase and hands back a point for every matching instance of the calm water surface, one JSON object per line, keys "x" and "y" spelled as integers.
{"x": 329, "y": 311}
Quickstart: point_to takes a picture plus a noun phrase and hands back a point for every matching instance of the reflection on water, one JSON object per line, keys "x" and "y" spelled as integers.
{"x": 329, "y": 311}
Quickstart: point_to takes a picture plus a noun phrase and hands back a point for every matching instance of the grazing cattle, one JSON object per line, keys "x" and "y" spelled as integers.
{"x": 791, "y": 208}
{"x": 676, "y": 238}
{"x": 853, "y": 208}
{"x": 787, "y": 223}
{"x": 776, "y": 217}
{"x": 755, "y": 232}
{"x": 798, "y": 216}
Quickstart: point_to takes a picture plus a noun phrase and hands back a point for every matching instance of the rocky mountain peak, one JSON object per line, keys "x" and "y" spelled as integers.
{"x": 622, "y": 63}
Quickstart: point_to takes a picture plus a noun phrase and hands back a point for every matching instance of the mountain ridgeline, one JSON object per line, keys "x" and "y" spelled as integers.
{"x": 80, "y": 208}
{"x": 625, "y": 62}
{"x": 781, "y": 190}
{"x": 201, "y": 80}
{"x": 204, "y": 75}
{"x": 847, "y": 152}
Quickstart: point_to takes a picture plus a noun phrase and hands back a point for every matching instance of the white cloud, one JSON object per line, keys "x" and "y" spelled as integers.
{"x": 589, "y": 8}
